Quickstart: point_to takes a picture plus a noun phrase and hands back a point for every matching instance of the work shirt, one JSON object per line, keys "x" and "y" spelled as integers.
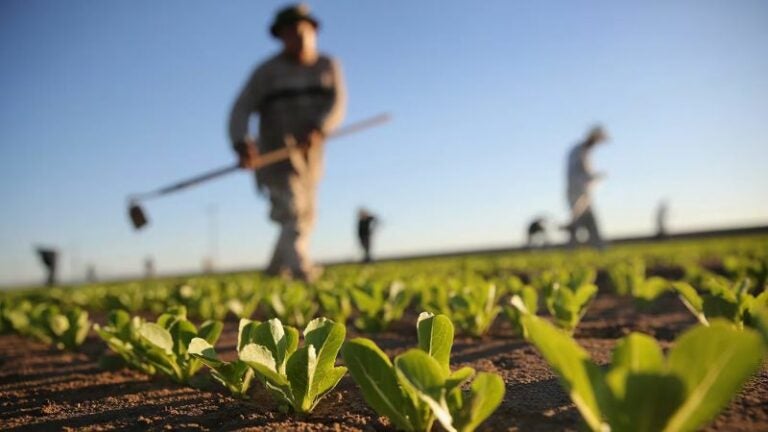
{"x": 290, "y": 99}
{"x": 580, "y": 178}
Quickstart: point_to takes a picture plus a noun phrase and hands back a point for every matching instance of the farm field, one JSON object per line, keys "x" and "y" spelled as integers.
{"x": 639, "y": 288}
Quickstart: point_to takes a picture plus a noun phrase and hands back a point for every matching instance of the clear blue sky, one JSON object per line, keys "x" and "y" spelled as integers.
{"x": 103, "y": 99}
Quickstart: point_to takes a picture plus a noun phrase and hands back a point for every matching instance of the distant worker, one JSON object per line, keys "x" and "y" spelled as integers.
{"x": 49, "y": 257}
{"x": 299, "y": 95}
{"x": 149, "y": 267}
{"x": 366, "y": 223}
{"x": 537, "y": 232}
{"x": 581, "y": 178}
{"x": 661, "y": 219}
{"x": 90, "y": 274}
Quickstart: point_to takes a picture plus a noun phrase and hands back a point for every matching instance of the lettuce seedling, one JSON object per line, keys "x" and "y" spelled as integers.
{"x": 629, "y": 278}
{"x": 48, "y": 323}
{"x": 641, "y": 391}
{"x": 379, "y": 304}
{"x": 296, "y": 377}
{"x": 568, "y": 305}
{"x": 236, "y": 376}
{"x": 419, "y": 387}
{"x": 530, "y": 301}
{"x": 166, "y": 343}
{"x": 121, "y": 334}
{"x": 292, "y": 302}
{"x": 335, "y": 304}
{"x": 474, "y": 307}
{"x": 724, "y": 300}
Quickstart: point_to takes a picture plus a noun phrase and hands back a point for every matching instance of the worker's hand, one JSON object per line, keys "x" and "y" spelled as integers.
{"x": 312, "y": 138}
{"x": 247, "y": 153}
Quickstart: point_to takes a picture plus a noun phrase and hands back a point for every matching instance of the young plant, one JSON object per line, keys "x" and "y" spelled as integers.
{"x": 292, "y": 302}
{"x": 159, "y": 347}
{"x": 236, "y": 376}
{"x": 335, "y": 304}
{"x": 731, "y": 302}
{"x": 121, "y": 334}
{"x": 167, "y": 343}
{"x": 379, "y": 304}
{"x": 298, "y": 378}
{"x": 471, "y": 303}
{"x": 530, "y": 300}
{"x": 419, "y": 387}
{"x": 48, "y": 323}
{"x": 642, "y": 391}
{"x": 629, "y": 279}
{"x": 568, "y": 305}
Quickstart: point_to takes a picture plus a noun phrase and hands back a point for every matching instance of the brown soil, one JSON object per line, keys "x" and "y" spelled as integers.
{"x": 45, "y": 389}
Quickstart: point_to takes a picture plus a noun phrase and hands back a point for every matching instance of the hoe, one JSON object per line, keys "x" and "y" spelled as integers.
{"x": 139, "y": 218}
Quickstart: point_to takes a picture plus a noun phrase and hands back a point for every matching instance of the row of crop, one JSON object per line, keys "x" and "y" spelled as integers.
{"x": 640, "y": 390}
{"x": 413, "y": 391}
{"x": 373, "y": 303}
{"x": 214, "y": 297}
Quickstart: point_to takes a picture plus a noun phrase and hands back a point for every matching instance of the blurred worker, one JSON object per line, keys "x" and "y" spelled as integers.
{"x": 366, "y": 223}
{"x": 537, "y": 232}
{"x": 580, "y": 181}
{"x": 661, "y": 219}
{"x": 299, "y": 95}
{"x": 49, "y": 257}
{"x": 149, "y": 267}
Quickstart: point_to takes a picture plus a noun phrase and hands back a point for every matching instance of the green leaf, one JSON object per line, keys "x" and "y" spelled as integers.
{"x": 246, "y": 333}
{"x": 458, "y": 378}
{"x": 157, "y": 337}
{"x": 422, "y": 375}
{"x": 485, "y": 395}
{"x": 182, "y": 332}
{"x": 641, "y": 401}
{"x": 638, "y": 353}
{"x": 435, "y": 334}
{"x": 210, "y": 331}
{"x": 261, "y": 360}
{"x": 201, "y": 349}
{"x": 327, "y": 338}
{"x": 374, "y": 374}
{"x": 691, "y": 299}
{"x": 59, "y": 324}
{"x": 300, "y": 369}
{"x": 571, "y": 363}
{"x": 713, "y": 362}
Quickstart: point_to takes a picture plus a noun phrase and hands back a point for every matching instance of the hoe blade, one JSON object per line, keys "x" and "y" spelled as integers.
{"x": 138, "y": 218}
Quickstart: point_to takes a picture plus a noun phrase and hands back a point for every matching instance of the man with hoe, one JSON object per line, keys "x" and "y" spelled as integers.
{"x": 299, "y": 95}
{"x": 581, "y": 179}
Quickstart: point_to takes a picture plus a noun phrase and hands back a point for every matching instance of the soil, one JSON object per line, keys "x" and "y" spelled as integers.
{"x": 42, "y": 388}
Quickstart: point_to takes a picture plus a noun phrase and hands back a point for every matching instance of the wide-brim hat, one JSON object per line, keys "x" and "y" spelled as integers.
{"x": 291, "y": 15}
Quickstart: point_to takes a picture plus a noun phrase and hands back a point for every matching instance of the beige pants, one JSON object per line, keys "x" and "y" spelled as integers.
{"x": 293, "y": 207}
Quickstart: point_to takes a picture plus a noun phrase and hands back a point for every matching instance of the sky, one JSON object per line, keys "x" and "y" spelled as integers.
{"x": 104, "y": 99}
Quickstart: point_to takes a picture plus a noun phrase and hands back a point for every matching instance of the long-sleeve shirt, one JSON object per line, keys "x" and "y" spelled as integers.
{"x": 290, "y": 99}
{"x": 580, "y": 178}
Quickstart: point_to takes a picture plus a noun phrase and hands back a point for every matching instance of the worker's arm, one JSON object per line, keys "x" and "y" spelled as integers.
{"x": 246, "y": 104}
{"x": 338, "y": 106}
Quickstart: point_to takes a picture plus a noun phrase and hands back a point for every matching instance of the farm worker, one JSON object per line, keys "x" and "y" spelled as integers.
{"x": 49, "y": 258}
{"x": 299, "y": 95}
{"x": 661, "y": 219}
{"x": 365, "y": 225}
{"x": 537, "y": 232}
{"x": 581, "y": 178}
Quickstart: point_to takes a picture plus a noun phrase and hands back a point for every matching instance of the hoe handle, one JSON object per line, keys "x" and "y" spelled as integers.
{"x": 265, "y": 159}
